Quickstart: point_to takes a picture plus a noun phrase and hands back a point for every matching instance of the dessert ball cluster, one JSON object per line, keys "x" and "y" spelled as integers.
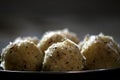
{"x": 61, "y": 50}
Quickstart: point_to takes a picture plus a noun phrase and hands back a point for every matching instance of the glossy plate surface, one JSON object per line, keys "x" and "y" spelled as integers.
{"x": 58, "y": 75}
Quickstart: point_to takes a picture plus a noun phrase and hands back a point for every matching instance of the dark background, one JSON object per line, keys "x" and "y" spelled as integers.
{"x": 34, "y": 17}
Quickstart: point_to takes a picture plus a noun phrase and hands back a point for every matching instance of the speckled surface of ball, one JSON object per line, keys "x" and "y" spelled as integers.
{"x": 21, "y": 56}
{"x": 63, "y": 56}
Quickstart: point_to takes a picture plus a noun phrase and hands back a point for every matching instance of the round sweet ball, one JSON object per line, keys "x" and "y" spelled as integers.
{"x": 101, "y": 52}
{"x": 63, "y": 56}
{"x": 21, "y": 55}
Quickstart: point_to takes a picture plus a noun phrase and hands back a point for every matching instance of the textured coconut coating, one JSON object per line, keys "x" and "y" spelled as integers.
{"x": 28, "y": 38}
{"x": 48, "y": 39}
{"x": 101, "y": 52}
{"x": 63, "y": 56}
{"x": 70, "y": 35}
{"x": 21, "y": 56}
{"x": 56, "y": 36}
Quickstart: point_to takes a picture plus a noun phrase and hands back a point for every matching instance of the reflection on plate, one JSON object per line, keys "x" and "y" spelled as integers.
{"x": 60, "y": 75}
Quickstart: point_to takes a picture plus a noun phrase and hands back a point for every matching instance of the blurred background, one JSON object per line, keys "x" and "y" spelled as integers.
{"x": 34, "y": 17}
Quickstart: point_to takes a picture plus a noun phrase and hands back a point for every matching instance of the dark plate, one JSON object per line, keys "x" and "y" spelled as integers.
{"x": 62, "y": 75}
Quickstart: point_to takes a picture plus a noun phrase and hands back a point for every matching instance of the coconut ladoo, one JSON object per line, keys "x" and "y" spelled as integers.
{"x": 101, "y": 52}
{"x": 21, "y": 55}
{"x": 63, "y": 56}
